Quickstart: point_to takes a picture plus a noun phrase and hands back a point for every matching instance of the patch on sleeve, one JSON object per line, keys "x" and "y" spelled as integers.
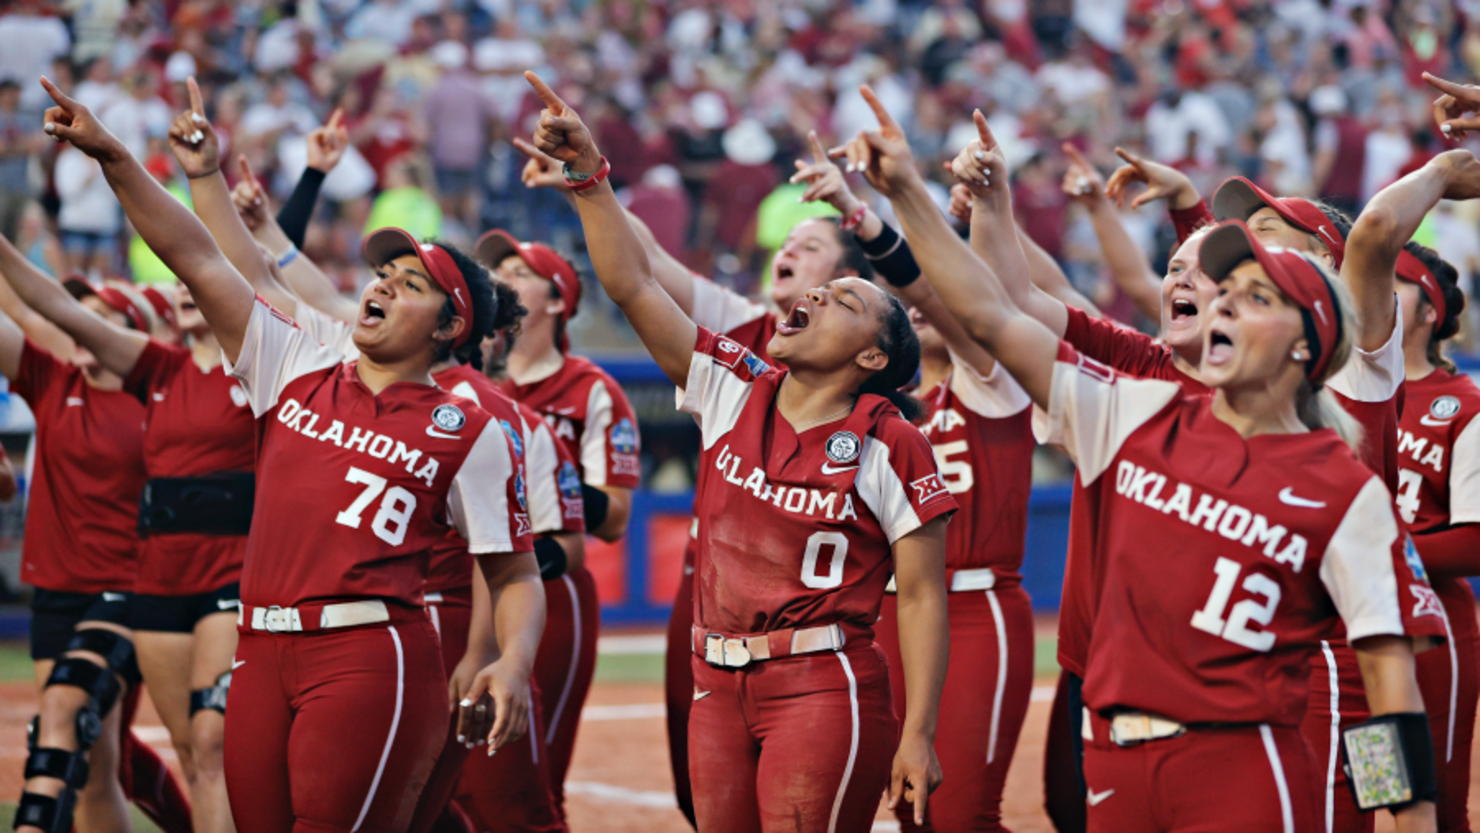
{"x": 757, "y": 367}
{"x": 571, "y": 498}
{"x": 514, "y": 439}
{"x": 1427, "y": 603}
{"x": 1415, "y": 563}
{"x": 1094, "y": 369}
{"x": 623, "y": 438}
{"x": 927, "y": 489}
{"x": 727, "y": 352}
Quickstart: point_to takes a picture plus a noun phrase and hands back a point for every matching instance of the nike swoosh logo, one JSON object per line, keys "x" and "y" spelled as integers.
{"x": 700, "y": 695}
{"x": 235, "y": 664}
{"x": 228, "y": 604}
{"x": 432, "y": 432}
{"x": 114, "y": 597}
{"x": 827, "y": 468}
{"x": 1095, "y": 798}
{"x": 1434, "y": 423}
{"x": 1287, "y": 497}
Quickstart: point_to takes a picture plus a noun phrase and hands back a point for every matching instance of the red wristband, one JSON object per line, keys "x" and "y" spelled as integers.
{"x": 851, "y": 222}
{"x": 593, "y": 181}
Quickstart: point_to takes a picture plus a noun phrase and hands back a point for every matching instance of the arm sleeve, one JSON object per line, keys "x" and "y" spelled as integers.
{"x": 275, "y": 351}
{"x": 1092, "y": 411}
{"x": 293, "y": 217}
{"x": 486, "y": 502}
{"x": 891, "y": 256}
{"x": 899, "y": 482}
{"x": 995, "y": 396}
{"x": 1188, "y": 220}
{"x": 1374, "y": 376}
{"x": 610, "y": 443}
{"x": 721, "y": 375}
{"x": 1358, "y": 567}
{"x": 1452, "y": 552}
{"x": 542, "y": 467}
{"x": 720, "y": 309}
{"x": 1464, "y": 476}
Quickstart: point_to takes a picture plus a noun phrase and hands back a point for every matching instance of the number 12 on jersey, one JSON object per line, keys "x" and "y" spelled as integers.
{"x": 1236, "y": 628}
{"x": 396, "y": 507}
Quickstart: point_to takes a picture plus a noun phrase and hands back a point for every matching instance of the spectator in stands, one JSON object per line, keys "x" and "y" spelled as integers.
{"x": 19, "y": 141}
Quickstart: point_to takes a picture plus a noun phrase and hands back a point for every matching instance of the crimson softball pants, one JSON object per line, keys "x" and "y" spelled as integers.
{"x": 565, "y": 666}
{"x": 1447, "y": 679}
{"x": 334, "y": 730}
{"x": 982, "y": 708}
{"x": 450, "y": 618}
{"x": 678, "y": 683}
{"x": 1337, "y": 699}
{"x": 802, "y": 744}
{"x": 1255, "y": 779}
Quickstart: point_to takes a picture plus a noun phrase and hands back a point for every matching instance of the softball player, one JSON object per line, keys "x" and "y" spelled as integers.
{"x": 590, "y": 415}
{"x": 792, "y": 721}
{"x": 334, "y": 637}
{"x": 1438, "y": 498}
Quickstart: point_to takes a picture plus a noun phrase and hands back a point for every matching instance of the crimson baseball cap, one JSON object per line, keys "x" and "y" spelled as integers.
{"x": 1238, "y": 199}
{"x": 498, "y": 244}
{"x": 79, "y": 288}
{"x": 1412, "y": 270}
{"x": 387, "y": 244}
{"x": 163, "y": 306}
{"x": 1231, "y": 243}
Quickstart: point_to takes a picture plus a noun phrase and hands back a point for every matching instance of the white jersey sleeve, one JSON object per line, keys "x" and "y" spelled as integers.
{"x": 1374, "y": 376}
{"x": 721, "y": 375}
{"x": 722, "y": 310}
{"x": 994, "y": 396}
{"x": 1357, "y": 569}
{"x": 1092, "y": 410}
{"x": 1464, "y": 476}
{"x": 482, "y": 493}
{"x": 274, "y": 352}
{"x": 884, "y": 491}
{"x": 327, "y": 330}
{"x": 594, "y": 434}
{"x": 542, "y": 470}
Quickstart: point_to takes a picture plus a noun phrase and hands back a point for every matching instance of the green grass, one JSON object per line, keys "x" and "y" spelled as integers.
{"x": 141, "y": 824}
{"x": 15, "y": 662}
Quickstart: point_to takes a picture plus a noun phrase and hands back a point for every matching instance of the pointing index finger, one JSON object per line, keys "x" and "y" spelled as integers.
{"x": 1457, "y": 90}
{"x": 983, "y": 130}
{"x": 886, "y": 121}
{"x": 818, "y": 154}
{"x": 1076, "y": 157}
{"x": 547, "y": 95}
{"x": 58, "y": 96}
{"x": 196, "y": 107}
{"x": 335, "y": 118}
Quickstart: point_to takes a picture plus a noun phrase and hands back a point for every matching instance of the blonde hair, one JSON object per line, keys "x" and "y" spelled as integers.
{"x": 1316, "y": 405}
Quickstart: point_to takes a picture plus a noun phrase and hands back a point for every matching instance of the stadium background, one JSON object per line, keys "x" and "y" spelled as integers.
{"x": 702, "y": 106}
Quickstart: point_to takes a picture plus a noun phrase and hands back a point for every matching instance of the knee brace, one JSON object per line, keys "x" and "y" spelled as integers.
{"x": 53, "y": 815}
{"x": 211, "y": 698}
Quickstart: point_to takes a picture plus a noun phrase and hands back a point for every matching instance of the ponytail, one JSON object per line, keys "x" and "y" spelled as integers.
{"x": 900, "y": 344}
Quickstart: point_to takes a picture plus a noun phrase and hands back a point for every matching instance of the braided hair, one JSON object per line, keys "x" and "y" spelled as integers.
{"x": 897, "y": 339}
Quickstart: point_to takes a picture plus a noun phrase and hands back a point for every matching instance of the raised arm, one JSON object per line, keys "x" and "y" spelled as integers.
{"x": 1388, "y": 222}
{"x": 116, "y": 348}
{"x": 617, "y": 255}
{"x": 967, "y": 286}
{"x": 1127, "y": 263}
{"x": 12, "y": 344}
{"x": 45, "y": 334}
{"x": 166, "y": 225}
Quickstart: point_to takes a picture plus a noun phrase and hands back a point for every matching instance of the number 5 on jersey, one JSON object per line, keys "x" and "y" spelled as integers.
{"x": 395, "y": 512}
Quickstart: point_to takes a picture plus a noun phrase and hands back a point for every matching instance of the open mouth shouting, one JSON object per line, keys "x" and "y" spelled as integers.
{"x": 1183, "y": 310}
{"x": 800, "y": 317}
{"x": 372, "y": 315}
{"x": 784, "y": 272}
{"x": 1219, "y": 349}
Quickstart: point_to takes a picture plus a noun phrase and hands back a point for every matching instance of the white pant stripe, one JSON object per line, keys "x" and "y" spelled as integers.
{"x": 575, "y": 660}
{"x": 436, "y": 620}
{"x": 1287, "y": 812}
{"x": 1001, "y": 673}
{"x": 534, "y": 743}
{"x": 390, "y": 741}
{"x": 832, "y": 823}
{"x": 1332, "y": 755}
{"x": 1453, "y": 683}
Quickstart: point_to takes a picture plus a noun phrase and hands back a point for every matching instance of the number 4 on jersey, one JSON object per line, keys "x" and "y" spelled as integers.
{"x": 391, "y": 521}
{"x": 1236, "y": 628}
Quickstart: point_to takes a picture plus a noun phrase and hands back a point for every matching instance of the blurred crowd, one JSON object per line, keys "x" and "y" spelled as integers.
{"x": 702, "y": 106}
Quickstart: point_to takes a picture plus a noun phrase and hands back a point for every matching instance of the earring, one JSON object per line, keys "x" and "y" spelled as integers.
{"x": 1298, "y": 356}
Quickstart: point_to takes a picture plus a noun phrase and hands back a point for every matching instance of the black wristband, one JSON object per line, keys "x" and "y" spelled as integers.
{"x": 891, "y": 257}
{"x": 596, "y": 507}
{"x": 550, "y": 556}
{"x": 1379, "y": 781}
{"x": 293, "y": 217}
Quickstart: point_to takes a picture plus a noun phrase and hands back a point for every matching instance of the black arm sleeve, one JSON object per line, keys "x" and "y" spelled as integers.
{"x": 596, "y": 506}
{"x": 298, "y": 210}
{"x": 891, "y": 257}
{"x": 550, "y": 556}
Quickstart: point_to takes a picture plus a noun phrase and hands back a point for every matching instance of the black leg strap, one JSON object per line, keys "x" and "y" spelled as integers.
{"x": 116, "y": 650}
{"x": 70, "y": 767}
{"x": 91, "y": 678}
{"x": 52, "y": 815}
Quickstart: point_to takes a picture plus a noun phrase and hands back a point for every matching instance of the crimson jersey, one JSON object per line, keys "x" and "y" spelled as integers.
{"x": 354, "y": 488}
{"x": 554, "y": 482}
{"x": 590, "y": 416}
{"x": 1134, "y": 354}
{"x": 1222, "y": 560}
{"x": 82, "y": 513}
{"x": 980, "y": 431}
{"x": 740, "y": 319}
{"x": 197, "y": 423}
{"x": 1439, "y": 453}
{"x": 798, "y": 528}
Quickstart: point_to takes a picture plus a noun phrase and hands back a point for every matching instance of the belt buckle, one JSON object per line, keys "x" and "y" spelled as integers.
{"x": 1142, "y": 722}
{"x": 269, "y": 619}
{"x": 736, "y": 655}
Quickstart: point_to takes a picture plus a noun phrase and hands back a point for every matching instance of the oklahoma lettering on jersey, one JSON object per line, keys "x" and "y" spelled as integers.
{"x": 1222, "y": 560}
{"x": 1439, "y": 453}
{"x": 82, "y": 513}
{"x": 355, "y": 489}
{"x": 590, "y": 415}
{"x": 980, "y": 430}
{"x": 797, "y": 530}
{"x": 197, "y": 422}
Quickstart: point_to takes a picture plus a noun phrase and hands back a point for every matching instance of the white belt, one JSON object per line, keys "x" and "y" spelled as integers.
{"x": 739, "y": 651}
{"x": 432, "y": 598}
{"x": 961, "y": 581}
{"x": 343, "y": 615}
{"x": 1131, "y": 728}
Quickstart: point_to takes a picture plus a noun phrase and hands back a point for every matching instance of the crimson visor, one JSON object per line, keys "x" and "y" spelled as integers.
{"x": 1411, "y": 269}
{"x": 498, "y": 244}
{"x": 387, "y": 244}
{"x": 1238, "y": 199}
{"x": 1231, "y": 243}
{"x": 79, "y": 288}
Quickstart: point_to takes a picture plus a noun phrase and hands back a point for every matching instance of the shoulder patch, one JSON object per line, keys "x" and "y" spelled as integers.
{"x": 757, "y": 367}
{"x": 514, "y": 438}
{"x": 1415, "y": 563}
{"x": 569, "y": 481}
{"x": 448, "y": 417}
{"x": 727, "y": 351}
{"x": 1445, "y": 407}
{"x": 927, "y": 488}
{"x": 624, "y": 437}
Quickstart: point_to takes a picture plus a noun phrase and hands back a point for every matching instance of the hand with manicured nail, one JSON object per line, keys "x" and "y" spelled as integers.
{"x": 1082, "y": 182}
{"x": 825, "y": 181}
{"x": 980, "y": 166}
{"x": 71, "y": 122}
{"x": 1163, "y": 182}
{"x": 250, "y": 199}
{"x": 494, "y": 708}
{"x": 193, "y": 140}
{"x": 961, "y": 200}
{"x": 883, "y": 156}
{"x": 328, "y": 142}
{"x": 540, "y": 170}
{"x": 561, "y": 134}
{"x": 1457, "y": 111}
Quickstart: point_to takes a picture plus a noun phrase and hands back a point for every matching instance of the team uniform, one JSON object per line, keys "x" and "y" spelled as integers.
{"x": 198, "y": 434}
{"x": 1198, "y": 666}
{"x": 983, "y": 443}
{"x": 792, "y": 725}
{"x": 337, "y": 654}
{"x": 591, "y": 417}
{"x": 1439, "y": 489}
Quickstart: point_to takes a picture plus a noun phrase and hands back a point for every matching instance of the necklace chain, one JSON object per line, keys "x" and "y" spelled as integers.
{"x": 820, "y": 420}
